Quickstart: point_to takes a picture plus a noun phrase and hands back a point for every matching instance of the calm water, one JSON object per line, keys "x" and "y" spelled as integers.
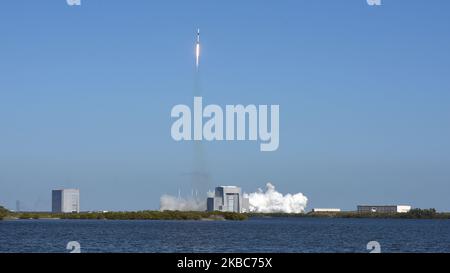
{"x": 254, "y": 235}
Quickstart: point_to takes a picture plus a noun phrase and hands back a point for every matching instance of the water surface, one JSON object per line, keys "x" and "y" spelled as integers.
{"x": 253, "y": 235}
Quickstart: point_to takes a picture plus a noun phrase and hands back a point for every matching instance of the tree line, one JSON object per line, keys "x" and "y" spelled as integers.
{"x": 131, "y": 215}
{"x": 216, "y": 215}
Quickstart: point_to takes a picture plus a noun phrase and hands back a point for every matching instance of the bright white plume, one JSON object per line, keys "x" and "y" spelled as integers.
{"x": 268, "y": 201}
{"x": 272, "y": 201}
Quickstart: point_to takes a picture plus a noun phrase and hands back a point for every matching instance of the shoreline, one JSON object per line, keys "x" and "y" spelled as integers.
{"x": 128, "y": 215}
{"x": 219, "y": 216}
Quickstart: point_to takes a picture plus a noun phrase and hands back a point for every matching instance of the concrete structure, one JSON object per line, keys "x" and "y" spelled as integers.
{"x": 65, "y": 200}
{"x": 325, "y": 210}
{"x": 228, "y": 199}
{"x": 384, "y": 208}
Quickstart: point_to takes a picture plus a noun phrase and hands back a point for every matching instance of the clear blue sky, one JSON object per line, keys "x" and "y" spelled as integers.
{"x": 364, "y": 95}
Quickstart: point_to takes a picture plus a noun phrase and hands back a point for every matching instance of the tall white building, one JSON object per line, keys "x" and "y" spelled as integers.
{"x": 229, "y": 199}
{"x": 66, "y": 200}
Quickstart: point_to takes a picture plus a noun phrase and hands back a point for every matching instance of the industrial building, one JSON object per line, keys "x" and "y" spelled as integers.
{"x": 227, "y": 199}
{"x": 66, "y": 200}
{"x": 384, "y": 208}
{"x": 326, "y": 210}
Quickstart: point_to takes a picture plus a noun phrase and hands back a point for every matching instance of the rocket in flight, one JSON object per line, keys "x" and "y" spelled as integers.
{"x": 197, "y": 49}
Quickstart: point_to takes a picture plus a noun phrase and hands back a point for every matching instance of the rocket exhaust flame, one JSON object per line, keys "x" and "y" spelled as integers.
{"x": 197, "y": 55}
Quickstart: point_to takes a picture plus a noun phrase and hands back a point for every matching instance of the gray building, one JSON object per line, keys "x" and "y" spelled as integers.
{"x": 384, "y": 208}
{"x": 228, "y": 199}
{"x": 66, "y": 200}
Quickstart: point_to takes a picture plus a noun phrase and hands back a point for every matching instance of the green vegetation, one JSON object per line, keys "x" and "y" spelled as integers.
{"x": 427, "y": 214}
{"x": 198, "y": 215}
{"x": 412, "y": 214}
{"x": 136, "y": 215}
{"x": 3, "y": 212}
{"x": 276, "y": 214}
{"x": 156, "y": 215}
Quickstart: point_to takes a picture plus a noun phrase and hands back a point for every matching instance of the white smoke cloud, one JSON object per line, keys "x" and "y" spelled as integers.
{"x": 267, "y": 201}
{"x": 168, "y": 202}
{"x": 272, "y": 201}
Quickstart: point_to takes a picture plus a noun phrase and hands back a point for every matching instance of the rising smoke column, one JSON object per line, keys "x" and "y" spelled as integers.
{"x": 169, "y": 202}
{"x": 200, "y": 177}
{"x": 270, "y": 201}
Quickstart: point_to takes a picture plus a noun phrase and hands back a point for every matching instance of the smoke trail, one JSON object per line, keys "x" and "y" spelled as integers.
{"x": 168, "y": 202}
{"x": 272, "y": 201}
{"x": 200, "y": 176}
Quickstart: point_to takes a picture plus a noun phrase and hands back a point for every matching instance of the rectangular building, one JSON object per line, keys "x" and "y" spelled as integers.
{"x": 227, "y": 199}
{"x": 384, "y": 208}
{"x": 325, "y": 210}
{"x": 66, "y": 200}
